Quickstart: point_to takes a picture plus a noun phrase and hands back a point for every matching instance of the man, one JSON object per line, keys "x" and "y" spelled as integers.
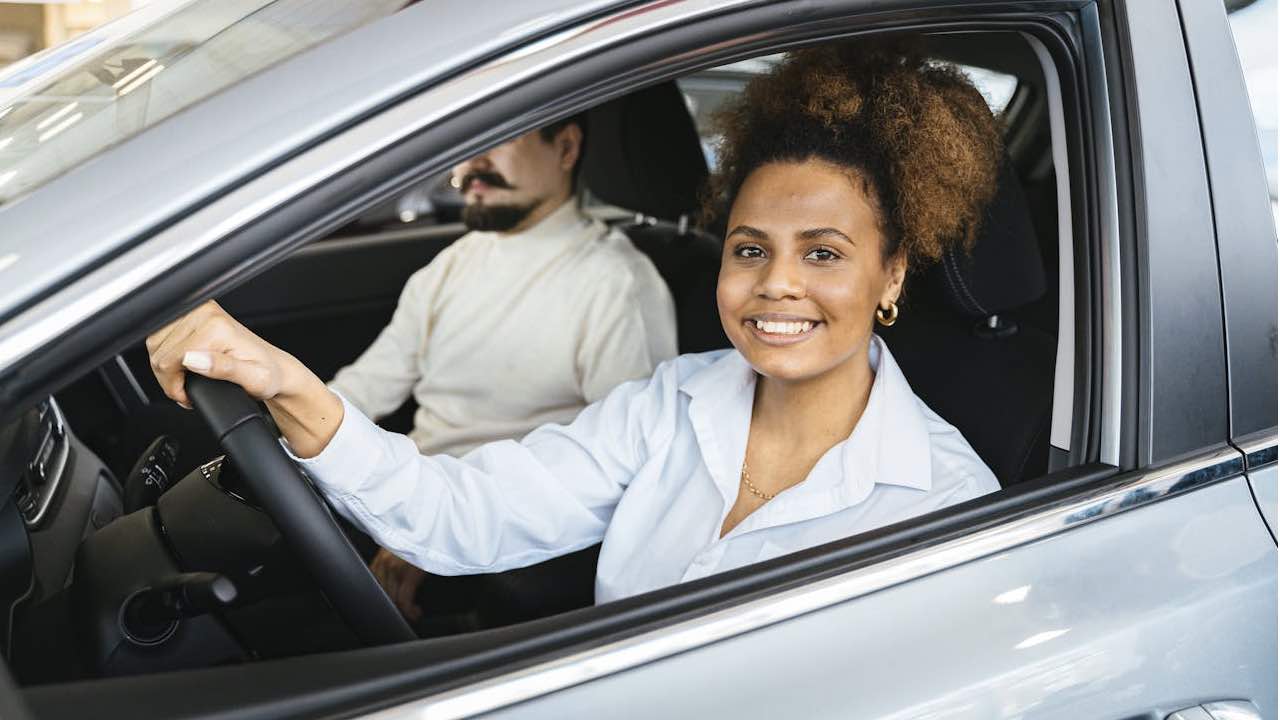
{"x": 525, "y": 320}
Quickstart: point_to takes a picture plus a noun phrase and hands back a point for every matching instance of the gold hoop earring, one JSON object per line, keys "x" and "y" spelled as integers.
{"x": 887, "y": 317}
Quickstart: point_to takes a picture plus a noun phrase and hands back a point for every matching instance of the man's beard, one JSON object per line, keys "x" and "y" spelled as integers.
{"x": 495, "y": 218}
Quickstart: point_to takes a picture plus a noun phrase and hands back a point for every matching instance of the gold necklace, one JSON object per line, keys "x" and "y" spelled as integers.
{"x": 746, "y": 481}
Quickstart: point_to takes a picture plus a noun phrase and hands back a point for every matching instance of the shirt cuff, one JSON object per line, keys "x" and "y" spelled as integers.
{"x": 344, "y": 463}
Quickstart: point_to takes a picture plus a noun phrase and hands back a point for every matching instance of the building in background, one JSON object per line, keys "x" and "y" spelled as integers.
{"x": 29, "y": 27}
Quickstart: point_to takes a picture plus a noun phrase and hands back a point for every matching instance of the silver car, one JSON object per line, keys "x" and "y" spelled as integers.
{"x": 1109, "y": 349}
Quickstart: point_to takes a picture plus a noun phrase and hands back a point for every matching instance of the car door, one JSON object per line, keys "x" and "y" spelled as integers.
{"x": 1150, "y": 596}
{"x": 1246, "y": 247}
{"x": 1137, "y": 584}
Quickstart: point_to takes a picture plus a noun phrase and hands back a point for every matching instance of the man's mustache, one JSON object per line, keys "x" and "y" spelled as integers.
{"x": 492, "y": 179}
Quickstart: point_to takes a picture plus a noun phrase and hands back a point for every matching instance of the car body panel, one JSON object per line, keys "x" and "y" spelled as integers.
{"x": 1263, "y": 482}
{"x": 1113, "y": 619}
{"x": 1180, "y": 318}
{"x": 1242, "y": 214}
{"x": 218, "y": 143}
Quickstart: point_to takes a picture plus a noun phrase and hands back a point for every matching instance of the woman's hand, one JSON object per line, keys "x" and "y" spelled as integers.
{"x": 401, "y": 582}
{"x": 210, "y": 342}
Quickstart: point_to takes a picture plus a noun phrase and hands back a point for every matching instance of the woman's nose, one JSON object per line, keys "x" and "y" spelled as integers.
{"x": 779, "y": 280}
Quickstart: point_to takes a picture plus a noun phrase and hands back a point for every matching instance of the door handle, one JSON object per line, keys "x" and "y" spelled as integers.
{"x": 1220, "y": 710}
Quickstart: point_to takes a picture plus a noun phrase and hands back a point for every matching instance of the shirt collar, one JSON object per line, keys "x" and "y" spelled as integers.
{"x": 889, "y": 445}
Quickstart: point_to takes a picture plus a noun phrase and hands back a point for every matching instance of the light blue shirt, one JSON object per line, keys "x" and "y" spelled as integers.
{"x": 651, "y": 470}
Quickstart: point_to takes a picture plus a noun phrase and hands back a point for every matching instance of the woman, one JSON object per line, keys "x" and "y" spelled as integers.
{"x": 840, "y": 169}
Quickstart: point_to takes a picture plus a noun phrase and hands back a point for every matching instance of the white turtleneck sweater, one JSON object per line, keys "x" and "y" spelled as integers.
{"x": 500, "y": 334}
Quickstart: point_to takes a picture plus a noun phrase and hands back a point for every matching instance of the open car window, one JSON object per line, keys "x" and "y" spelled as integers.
{"x": 328, "y": 300}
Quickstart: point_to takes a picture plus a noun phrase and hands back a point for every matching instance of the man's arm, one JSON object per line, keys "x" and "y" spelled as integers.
{"x": 382, "y": 378}
{"x": 630, "y": 330}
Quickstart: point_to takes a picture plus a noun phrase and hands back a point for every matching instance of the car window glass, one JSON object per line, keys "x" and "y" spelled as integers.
{"x": 67, "y": 104}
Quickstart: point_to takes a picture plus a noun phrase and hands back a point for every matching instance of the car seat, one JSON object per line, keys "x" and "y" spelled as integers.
{"x": 962, "y": 349}
{"x": 643, "y": 155}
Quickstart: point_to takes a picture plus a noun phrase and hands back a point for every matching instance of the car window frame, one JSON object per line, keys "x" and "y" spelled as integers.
{"x": 239, "y": 251}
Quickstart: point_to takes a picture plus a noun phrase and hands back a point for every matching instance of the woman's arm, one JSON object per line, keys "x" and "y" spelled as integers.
{"x": 210, "y": 342}
{"x": 504, "y": 505}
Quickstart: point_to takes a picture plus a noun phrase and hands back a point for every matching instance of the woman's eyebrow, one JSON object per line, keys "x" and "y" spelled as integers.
{"x": 749, "y": 231}
{"x": 824, "y": 232}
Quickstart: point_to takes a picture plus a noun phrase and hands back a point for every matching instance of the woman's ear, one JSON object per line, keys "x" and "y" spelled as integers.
{"x": 897, "y": 271}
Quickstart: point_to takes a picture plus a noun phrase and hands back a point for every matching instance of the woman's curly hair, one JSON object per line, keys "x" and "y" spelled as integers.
{"x": 918, "y": 135}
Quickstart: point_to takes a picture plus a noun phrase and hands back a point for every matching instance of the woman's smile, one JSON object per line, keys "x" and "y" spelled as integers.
{"x": 781, "y": 329}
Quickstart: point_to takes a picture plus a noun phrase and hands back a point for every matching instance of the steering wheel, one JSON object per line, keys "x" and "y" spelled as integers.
{"x": 304, "y": 521}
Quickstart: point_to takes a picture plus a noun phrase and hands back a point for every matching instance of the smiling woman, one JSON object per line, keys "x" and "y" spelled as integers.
{"x": 804, "y": 433}
{"x": 833, "y": 188}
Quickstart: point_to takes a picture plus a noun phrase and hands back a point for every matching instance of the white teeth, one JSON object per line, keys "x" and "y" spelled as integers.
{"x": 784, "y": 328}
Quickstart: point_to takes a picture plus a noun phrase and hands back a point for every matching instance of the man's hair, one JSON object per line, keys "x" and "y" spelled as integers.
{"x": 549, "y": 132}
{"x": 916, "y": 134}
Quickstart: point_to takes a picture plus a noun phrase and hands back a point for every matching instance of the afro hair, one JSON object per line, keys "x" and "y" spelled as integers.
{"x": 917, "y": 135}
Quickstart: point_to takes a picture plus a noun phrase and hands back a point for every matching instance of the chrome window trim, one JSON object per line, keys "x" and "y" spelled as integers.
{"x": 1260, "y": 452}
{"x": 115, "y": 280}
{"x": 1127, "y": 493}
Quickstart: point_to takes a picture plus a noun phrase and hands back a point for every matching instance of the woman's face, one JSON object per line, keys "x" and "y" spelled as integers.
{"x": 802, "y": 271}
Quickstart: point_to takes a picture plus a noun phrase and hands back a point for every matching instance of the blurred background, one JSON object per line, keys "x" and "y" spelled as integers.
{"x": 28, "y": 27}
{"x": 31, "y": 26}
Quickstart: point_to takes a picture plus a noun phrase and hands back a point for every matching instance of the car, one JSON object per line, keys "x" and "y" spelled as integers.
{"x": 1108, "y": 348}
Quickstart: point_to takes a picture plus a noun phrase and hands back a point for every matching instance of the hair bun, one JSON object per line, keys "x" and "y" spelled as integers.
{"x": 918, "y": 132}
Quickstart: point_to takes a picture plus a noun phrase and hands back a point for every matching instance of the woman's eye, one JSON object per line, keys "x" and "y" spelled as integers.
{"x": 749, "y": 251}
{"x": 822, "y": 255}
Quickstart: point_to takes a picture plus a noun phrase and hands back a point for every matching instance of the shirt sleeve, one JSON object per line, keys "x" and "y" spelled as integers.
{"x": 630, "y": 330}
{"x": 504, "y": 505}
{"x": 381, "y": 379}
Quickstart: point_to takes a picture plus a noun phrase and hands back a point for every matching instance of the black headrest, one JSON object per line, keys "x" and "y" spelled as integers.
{"x": 643, "y": 153}
{"x": 1004, "y": 270}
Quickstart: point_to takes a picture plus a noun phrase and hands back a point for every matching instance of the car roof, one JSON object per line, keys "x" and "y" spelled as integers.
{"x": 102, "y": 206}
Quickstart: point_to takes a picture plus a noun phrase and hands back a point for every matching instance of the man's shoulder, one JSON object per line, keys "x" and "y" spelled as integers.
{"x": 615, "y": 262}
{"x": 441, "y": 260}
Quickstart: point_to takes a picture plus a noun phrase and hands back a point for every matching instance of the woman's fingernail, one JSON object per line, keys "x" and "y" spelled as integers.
{"x": 198, "y": 361}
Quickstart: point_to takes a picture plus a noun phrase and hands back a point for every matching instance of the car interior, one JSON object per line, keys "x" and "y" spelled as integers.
{"x": 114, "y": 461}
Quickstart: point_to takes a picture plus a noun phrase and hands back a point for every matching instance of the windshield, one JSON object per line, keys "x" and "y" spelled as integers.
{"x": 72, "y": 101}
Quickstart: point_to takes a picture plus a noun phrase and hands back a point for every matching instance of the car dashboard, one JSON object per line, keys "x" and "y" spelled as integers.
{"x": 57, "y": 492}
